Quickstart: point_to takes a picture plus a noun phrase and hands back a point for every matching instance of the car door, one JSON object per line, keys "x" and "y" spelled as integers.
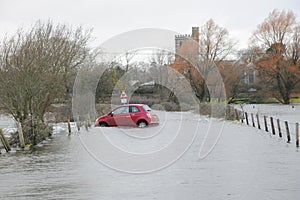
{"x": 135, "y": 114}
{"x": 110, "y": 119}
{"x": 121, "y": 116}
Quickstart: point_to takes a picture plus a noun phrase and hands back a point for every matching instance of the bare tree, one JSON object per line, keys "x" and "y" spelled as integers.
{"x": 277, "y": 28}
{"x": 124, "y": 63}
{"x": 215, "y": 46}
{"x": 293, "y": 49}
{"x": 35, "y": 70}
{"x": 162, "y": 57}
{"x": 160, "y": 61}
{"x": 278, "y": 36}
{"x": 215, "y": 43}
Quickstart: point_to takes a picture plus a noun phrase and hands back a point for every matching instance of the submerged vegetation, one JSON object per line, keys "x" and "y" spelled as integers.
{"x": 37, "y": 68}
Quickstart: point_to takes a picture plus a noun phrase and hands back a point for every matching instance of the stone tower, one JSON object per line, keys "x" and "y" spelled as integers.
{"x": 187, "y": 45}
{"x": 180, "y": 39}
{"x": 195, "y": 34}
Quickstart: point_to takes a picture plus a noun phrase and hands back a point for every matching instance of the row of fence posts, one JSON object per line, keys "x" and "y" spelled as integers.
{"x": 5, "y": 143}
{"x": 244, "y": 115}
{"x": 87, "y": 123}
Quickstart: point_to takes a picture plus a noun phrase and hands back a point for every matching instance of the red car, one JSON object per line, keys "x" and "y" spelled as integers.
{"x": 129, "y": 115}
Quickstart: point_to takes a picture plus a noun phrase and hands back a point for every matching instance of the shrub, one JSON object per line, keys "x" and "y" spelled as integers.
{"x": 102, "y": 109}
{"x": 171, "y": 106}
{"x": 34, "y": 132}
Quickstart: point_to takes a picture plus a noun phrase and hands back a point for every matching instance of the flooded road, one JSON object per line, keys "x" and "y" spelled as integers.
{"x": 50, "y": 171}
{"x": 245, "y": 164}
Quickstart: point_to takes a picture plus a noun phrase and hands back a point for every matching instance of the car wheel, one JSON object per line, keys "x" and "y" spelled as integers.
{"x": 103, "y": 124}
{"x": 142, "y": 124}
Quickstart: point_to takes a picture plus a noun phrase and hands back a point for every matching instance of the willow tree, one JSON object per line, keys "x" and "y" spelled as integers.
{"x": 278, "y": 36}
{"x": 35, "y": 70}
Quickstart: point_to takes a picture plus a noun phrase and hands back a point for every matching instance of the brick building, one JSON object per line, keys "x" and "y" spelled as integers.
{"x": 187, "y": 60}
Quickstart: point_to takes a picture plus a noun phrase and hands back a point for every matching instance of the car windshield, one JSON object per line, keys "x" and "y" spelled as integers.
{"x": 146, "y": 107}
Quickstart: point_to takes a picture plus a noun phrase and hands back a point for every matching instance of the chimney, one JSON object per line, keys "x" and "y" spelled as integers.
{"x": 195, "y": 34}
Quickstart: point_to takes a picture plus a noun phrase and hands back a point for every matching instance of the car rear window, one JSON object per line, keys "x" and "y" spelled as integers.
{"x": 146, "y": 107}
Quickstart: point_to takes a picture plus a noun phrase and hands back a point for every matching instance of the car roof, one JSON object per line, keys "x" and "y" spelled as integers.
{"x": 136, "y": 104}
{"x": 133, "y": 104}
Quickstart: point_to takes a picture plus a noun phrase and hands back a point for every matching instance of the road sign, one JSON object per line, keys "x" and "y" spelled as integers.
{"x": 123, "y": 97}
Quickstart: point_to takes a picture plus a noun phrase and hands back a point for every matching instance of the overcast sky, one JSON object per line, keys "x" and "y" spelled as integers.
{"x": 112, "y": 17}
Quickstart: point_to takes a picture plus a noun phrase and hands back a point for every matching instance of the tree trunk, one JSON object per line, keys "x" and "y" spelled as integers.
{"x": 286, "y": 97}
{"x": 283, "y": 90}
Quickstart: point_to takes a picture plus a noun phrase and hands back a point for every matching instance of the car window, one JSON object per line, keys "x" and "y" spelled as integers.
{"x": 146, "y": 107}
{"x": 134, "y": 109}
{"x": 121, "y": 110}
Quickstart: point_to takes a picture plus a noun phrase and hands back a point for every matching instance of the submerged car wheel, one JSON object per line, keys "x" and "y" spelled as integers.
{"x": 103, "y": 124}
{"x": 142, "y": 124}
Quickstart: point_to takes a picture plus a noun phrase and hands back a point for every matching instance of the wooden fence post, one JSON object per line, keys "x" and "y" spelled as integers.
{"x": 86, "y": 125}
{"x": 257, "y": 118}
{"x": 242, "y": 118}
{"x": 236, "y": 115}
{"x": 279, "y": 129}
{"x": 4, "y": 141}
{"x": 297, "y": 134}
{"x": 252, "y": 118}
{"x": 89, "y": 120}
{"x": 272, "y": 125}
{"x": 266, "y": 125}
{"x": 21, "y": 136}
{"x": 69, "y": 126}
{"x": 78, "y": 123}
{"x": 287, "y": 132}
{"x": 247, "y": 121}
